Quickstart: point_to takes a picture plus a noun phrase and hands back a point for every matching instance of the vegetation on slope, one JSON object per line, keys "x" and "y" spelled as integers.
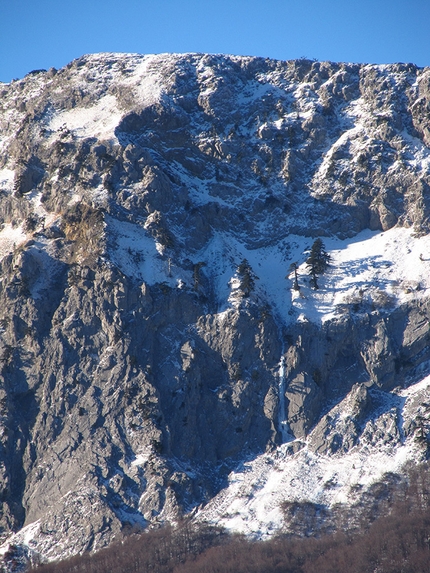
{"x": 396, "y": 542}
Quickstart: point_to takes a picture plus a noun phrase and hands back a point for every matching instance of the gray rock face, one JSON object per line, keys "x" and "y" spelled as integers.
{"x": 340, "y": 428}
{"x": 134, "y": 374}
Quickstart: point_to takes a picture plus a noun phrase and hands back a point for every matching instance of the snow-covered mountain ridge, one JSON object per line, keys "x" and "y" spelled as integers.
{"x": 136, "y": 373}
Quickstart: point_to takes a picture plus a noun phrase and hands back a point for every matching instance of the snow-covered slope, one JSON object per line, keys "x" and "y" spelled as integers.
{"x": 372, "y": 269}
{"x": 256, "y": 491}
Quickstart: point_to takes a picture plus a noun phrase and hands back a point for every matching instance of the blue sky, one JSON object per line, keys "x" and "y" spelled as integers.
{"x": 38, "y": 34}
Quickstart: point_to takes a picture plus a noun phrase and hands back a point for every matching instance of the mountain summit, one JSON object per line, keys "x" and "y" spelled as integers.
{"x": 164, "y": 350}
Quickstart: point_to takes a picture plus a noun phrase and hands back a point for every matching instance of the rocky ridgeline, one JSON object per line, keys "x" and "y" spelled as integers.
{"x": 128, "y": 394}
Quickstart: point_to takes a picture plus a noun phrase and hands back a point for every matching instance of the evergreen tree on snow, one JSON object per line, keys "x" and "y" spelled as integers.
{"x": 247, "y": 278}
{"x": 293, "y": 268}
{"x": 317, "y": 262}
{"x": 196, "y": 275}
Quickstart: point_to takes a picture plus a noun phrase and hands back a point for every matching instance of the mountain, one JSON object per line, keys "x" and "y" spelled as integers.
{"x": 157, "y": 357}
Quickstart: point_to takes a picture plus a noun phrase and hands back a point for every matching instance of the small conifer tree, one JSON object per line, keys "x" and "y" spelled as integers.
{"x": 317, "y": 262}
{"x": 247, "y": 278}
{"x": 293, "y": 268}
{"x": 196, "y": 274}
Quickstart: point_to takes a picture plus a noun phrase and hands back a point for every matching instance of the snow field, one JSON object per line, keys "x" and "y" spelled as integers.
{"x": 374, "y": 269}
{"x": 135, "y": 252}
{"x": 394, "y": 263}
{"x": 7, "y": 177}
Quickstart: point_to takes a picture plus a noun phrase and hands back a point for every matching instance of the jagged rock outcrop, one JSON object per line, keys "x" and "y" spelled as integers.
{"x": 135, "y": 373}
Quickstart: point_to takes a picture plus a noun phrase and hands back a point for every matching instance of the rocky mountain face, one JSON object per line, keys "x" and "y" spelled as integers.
{"x": 137, "y": 371}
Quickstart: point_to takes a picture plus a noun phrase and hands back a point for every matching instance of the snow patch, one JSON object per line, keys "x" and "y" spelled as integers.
{"x": 141, "y": 459}
{"x": 7, "y": 177}
{"x": 99, "y": 120}
{"x": 380, "y": 269}
{"x": 10, "y": 239}
{"x": 137, "y": 254}
{"x": 25, "y": 536}
{"x": 147, "y": 79}
{"x": 416, "y": 388}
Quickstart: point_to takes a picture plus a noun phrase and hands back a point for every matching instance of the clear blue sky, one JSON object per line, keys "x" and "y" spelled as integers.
{"x": 43, "y": 33}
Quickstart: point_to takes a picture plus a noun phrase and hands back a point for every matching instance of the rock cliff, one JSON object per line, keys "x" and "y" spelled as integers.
{"x": 137, "y": 370}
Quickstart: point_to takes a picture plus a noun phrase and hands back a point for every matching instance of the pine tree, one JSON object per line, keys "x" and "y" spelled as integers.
{"x": 317, "y": 262}
{"x": 293, "y": 268}
{"x": 196, "y": 274}
{"x": 247, "y": 278}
